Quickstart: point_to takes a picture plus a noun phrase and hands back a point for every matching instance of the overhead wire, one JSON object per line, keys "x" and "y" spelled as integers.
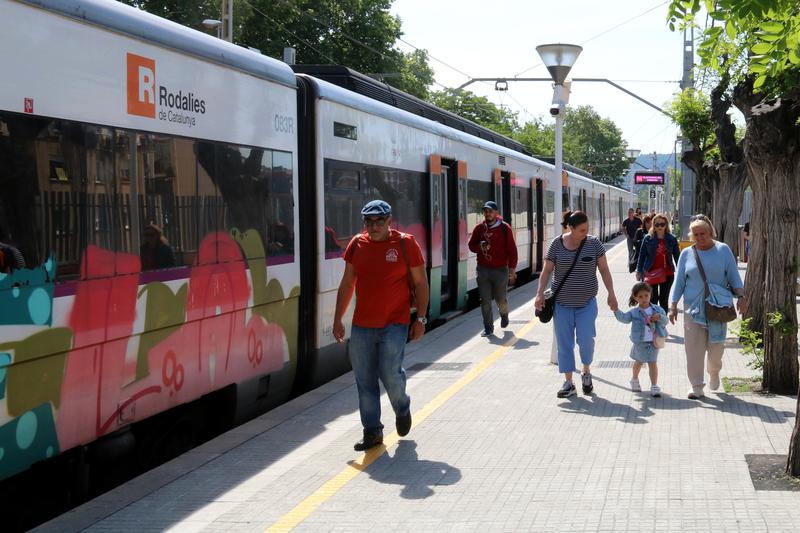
{"x": 643, "y": 13}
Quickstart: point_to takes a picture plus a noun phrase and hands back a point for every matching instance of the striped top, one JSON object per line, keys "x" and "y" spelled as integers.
{"x": 582, "y": 283}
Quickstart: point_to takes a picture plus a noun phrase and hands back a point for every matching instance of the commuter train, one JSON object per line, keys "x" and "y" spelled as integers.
{"x": 182, "y": 205}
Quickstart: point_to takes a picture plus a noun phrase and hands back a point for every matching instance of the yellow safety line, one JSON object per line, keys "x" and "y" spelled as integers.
{"x": 294, "y": 517}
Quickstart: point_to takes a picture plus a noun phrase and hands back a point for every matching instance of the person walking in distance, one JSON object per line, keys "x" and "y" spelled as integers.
{"x": 493, "y": 241}
{"x": 629, "y": 227}
{"x": 386, "y": 270}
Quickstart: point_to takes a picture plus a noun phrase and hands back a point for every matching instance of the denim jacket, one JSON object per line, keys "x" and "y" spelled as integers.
{"x": 635, "y": 317}
{"x": 648, "y": 252}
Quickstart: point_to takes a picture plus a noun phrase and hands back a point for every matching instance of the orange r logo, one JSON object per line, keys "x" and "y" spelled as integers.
{"x": 141, "y": 86}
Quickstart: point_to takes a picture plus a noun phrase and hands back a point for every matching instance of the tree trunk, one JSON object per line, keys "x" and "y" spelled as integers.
{"x": 704, "y": 175}
{"x": 728, "y": 197}
{"x": 773, "y": 160}
{"x": 728, "y": 188}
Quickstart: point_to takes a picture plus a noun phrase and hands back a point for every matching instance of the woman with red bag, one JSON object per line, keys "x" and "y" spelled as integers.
{"x": 657, "y": 259}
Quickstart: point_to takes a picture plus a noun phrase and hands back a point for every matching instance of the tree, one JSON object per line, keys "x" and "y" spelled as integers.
{"x": 478, "y": 109}
{"x": 765, "y": 38}
{"x": 595, "y": 144}
{"x": 538, "y": 138}
{"x": 359, "y": 34}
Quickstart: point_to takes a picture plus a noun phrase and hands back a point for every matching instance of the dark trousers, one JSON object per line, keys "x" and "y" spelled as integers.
{"x": 661, "y": 293}
{"x": 492, "y": 283}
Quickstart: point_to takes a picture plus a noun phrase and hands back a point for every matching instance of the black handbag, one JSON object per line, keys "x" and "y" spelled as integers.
{"x": 713, "y": 312}
{"x": 546, "y": 313}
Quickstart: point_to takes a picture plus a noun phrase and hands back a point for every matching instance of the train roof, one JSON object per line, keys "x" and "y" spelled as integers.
{"x": 382, "y": 92}
{"x": 121, "y": 18}
{"x": 340, "y": 95}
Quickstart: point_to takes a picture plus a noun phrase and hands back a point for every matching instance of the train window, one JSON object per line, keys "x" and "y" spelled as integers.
{"x": 244, "y": 189}
{"x": 59, "y": 195}
{"x": 281, "y": 210}
{"x": 522, "y": 196}
{"x": 402, "y": 189}
{"x": 478, "y": 193}
{"x": 157, "y": 208}
{"x": 345, "y": 131}
{"x": 565, "y": 205}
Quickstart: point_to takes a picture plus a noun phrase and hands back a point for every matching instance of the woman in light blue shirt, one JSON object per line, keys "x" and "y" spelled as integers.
{"x": 703, "y": 336}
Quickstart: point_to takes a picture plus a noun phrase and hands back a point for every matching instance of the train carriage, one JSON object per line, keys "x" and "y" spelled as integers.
{"x": 156, "y": 219}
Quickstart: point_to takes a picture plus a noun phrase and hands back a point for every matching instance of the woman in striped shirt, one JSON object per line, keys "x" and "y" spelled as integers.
{"x": 576, "y": 306}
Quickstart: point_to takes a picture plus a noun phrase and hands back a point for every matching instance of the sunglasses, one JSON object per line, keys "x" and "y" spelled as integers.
{"x": 660, "y": 225}
{"x": 377, "y": 222}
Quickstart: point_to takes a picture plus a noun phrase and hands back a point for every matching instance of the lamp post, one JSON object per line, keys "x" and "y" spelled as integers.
{"x": 213, "y": 24}
{"x": 558, "y": 58}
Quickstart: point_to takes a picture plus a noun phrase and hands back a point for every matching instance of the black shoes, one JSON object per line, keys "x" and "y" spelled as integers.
{"x": 586, "y": 381}
{"x": 566, "y": 390}
{"x": 488, "y": 332}
{"x": 370, "y": 440}
{"x": 503, "y": 321}
{"x": 403, "y": 424}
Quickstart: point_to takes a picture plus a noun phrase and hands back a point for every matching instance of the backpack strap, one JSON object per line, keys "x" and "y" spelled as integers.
{"x": 410, "y": 281}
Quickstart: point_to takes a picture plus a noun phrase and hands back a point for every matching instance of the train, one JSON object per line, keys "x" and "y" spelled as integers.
{"x": 182, "y": 205}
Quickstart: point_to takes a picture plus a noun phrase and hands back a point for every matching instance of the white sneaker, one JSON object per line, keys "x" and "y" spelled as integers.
{"x": 695, "y": 393}
{"x": 655, "y": 391}
{"x": 713, "y": 382}
{"x": 636, "y": 386}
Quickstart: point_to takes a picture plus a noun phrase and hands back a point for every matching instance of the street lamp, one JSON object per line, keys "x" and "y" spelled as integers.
{"x": 632, "y": 154}
{"x": 558, "y": 58}
{"x": 213, "y": 24}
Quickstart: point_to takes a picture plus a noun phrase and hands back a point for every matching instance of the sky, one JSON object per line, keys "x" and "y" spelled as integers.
{"x": 499, "y": 39}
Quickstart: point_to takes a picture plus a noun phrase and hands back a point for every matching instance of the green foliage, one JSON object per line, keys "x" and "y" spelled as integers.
{"x": 764, "y": 33}
{"x": 691, "y": 112}
{"x": 595, "y": 144}
{"x": 359, "y": 34}
{"x": 752, "y": 343}
{"x": 478, "y": 109}
{"x": 538, "y": 138}
{"x": 782, "y": 323}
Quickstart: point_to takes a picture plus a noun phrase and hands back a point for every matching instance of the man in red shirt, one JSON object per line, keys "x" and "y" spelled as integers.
{"x": 493, "y": 241}
{"x": 384, "y": 266}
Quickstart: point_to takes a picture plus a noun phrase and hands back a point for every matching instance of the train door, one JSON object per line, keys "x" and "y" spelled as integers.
{"x": 502, "y": 194}
{"x": 602, "y": 217}
{"x": 535, "y": 224}
{"x": 446, "y": 209}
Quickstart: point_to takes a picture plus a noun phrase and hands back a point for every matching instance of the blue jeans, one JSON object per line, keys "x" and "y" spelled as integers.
{"x": 378, "y": 353}
{"x": 570, "y": 323}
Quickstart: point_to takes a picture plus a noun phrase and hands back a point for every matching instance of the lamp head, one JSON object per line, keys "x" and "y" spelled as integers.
{"x": 559, "y": 58}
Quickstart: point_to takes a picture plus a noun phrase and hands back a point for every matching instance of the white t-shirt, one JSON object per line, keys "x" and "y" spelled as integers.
{"x": 648, "y": 331}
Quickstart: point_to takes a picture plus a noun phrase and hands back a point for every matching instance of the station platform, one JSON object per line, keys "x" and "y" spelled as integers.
{"x": 492, "y": 448}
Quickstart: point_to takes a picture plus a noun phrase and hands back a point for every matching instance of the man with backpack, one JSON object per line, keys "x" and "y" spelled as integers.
{"x": 386, "y": 269}
{"x": 494, "y": 243}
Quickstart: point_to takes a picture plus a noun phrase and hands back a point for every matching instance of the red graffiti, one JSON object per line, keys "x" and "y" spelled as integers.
{"x": 221, "y": 342}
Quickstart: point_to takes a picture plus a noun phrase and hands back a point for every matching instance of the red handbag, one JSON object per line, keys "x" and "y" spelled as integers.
{"x": 655, "y": 276}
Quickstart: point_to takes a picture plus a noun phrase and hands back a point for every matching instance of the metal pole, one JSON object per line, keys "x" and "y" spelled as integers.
{"x": 227, "y": 20}
{"x": 556, "y": 187}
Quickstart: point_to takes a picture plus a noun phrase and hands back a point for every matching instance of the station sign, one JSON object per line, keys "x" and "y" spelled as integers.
{"x": 652, "y": 193}
{"x": 648, "y": 178}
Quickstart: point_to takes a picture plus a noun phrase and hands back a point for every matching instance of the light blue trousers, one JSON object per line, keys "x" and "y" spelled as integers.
{"x": 571, "y": 324}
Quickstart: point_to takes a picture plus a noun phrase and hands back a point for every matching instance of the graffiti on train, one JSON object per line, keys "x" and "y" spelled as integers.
{"x": 74, "y": 368}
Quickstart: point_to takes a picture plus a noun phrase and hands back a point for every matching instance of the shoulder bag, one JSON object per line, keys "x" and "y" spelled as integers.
{"x": 546, "y": 313}
{"x": 713, "y": 312}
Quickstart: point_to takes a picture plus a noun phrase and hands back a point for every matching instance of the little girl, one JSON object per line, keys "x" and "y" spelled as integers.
{"x": 648, "y": 321}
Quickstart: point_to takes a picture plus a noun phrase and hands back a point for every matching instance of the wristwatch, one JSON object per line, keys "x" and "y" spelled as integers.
{"x": 422, "y": 320}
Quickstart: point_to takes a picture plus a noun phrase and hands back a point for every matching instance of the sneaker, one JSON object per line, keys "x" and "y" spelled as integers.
{"x": 370, "y": 440}
{"x": 488, "y": 332}
{"x": 713, "y": 382}
{"x": 695, "y": 393}
{"x": 403, "y": 424}
{"x": 586, "y": 381}
{"x": 503, "y": 321}
{"x": 566, "y": 390}
{"x": 655, "y": 391}
{"x": 636, "y": 386}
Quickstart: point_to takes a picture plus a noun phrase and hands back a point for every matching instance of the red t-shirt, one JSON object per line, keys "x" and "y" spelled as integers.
{"x": 660, "y": 260}
{"x": 382, "y": 292}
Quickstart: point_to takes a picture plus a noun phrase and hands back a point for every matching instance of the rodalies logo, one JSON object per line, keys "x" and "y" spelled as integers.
{"x": 179, "y": 107}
